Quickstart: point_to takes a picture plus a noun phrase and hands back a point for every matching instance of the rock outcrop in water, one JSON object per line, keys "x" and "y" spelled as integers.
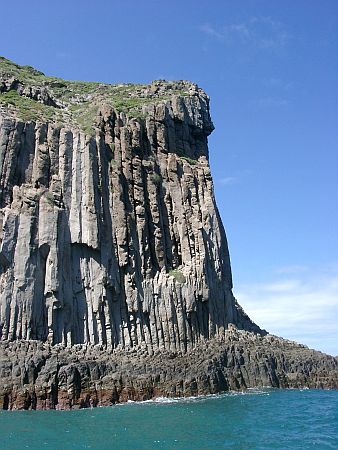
{"x": 113, "y": 258}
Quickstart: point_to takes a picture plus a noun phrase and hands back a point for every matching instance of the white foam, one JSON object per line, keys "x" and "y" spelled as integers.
{"x": 199, "y": 398}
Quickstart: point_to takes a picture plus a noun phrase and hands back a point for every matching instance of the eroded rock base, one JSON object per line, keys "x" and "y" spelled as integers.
{"x": 36, "y": 375}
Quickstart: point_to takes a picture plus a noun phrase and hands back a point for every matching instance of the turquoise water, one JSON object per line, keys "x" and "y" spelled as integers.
{"x": 267, "y": 419}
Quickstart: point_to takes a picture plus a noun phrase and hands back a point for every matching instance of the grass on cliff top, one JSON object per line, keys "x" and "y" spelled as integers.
{"x": 79, "y": 98}
{"x": 24, "y": 73}
{"x": 26, "y": 108}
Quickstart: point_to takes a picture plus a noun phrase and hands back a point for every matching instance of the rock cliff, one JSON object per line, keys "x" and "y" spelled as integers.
{"x": 110, "y": 236}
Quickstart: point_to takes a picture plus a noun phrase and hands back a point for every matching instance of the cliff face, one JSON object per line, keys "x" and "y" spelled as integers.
{"x": 110, "y": 233}
{"x": 115, "y": 279}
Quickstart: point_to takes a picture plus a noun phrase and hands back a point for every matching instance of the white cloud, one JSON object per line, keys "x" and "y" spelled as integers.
{"x": 258, "y": 32}
{"x": 281, "y": 286}
{"x": 302, "y": 306}
{"x": 211, "y": 31}
{"x": 292, "y": 269}
{"x": 268, "y": 102}
{"x": 228, "y": 180}
{"x": 236, "y": 178}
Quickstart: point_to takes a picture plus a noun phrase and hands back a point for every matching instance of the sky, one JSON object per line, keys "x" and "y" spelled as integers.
{"x": 270, "y": 69}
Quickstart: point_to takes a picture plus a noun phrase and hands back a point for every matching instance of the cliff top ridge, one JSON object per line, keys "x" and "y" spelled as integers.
{"x": 30, "y": 95}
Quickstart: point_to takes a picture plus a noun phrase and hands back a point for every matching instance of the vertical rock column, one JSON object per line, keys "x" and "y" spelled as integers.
{"x": 114, "y": 239}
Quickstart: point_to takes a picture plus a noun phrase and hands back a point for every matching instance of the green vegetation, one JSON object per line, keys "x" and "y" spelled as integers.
{"x": 79, "y": 102}
{"x": 26, "y": 108}
{"x": 189, "y": 160}
{"x": 85, "y": 117}
{"x": 180, "y": 153}
{"x": 156, "y": 179}
{"x": 24, "y": 73}
{"x": 49, "y": 197}
{"x": 126, "y": 104}
{"x": 178, "y": 275}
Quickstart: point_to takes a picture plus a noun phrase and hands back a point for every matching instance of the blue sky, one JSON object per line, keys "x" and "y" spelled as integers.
{"x": 270, "y": 68}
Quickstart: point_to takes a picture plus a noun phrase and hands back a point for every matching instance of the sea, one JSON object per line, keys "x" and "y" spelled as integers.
{"x": 255, "y": 419}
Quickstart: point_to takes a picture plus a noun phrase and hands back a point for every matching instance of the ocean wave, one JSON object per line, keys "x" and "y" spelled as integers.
{"x": 197, "y": 398}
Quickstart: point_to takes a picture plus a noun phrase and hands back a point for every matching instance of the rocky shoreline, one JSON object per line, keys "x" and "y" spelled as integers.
{"x": 36, "y": 375}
